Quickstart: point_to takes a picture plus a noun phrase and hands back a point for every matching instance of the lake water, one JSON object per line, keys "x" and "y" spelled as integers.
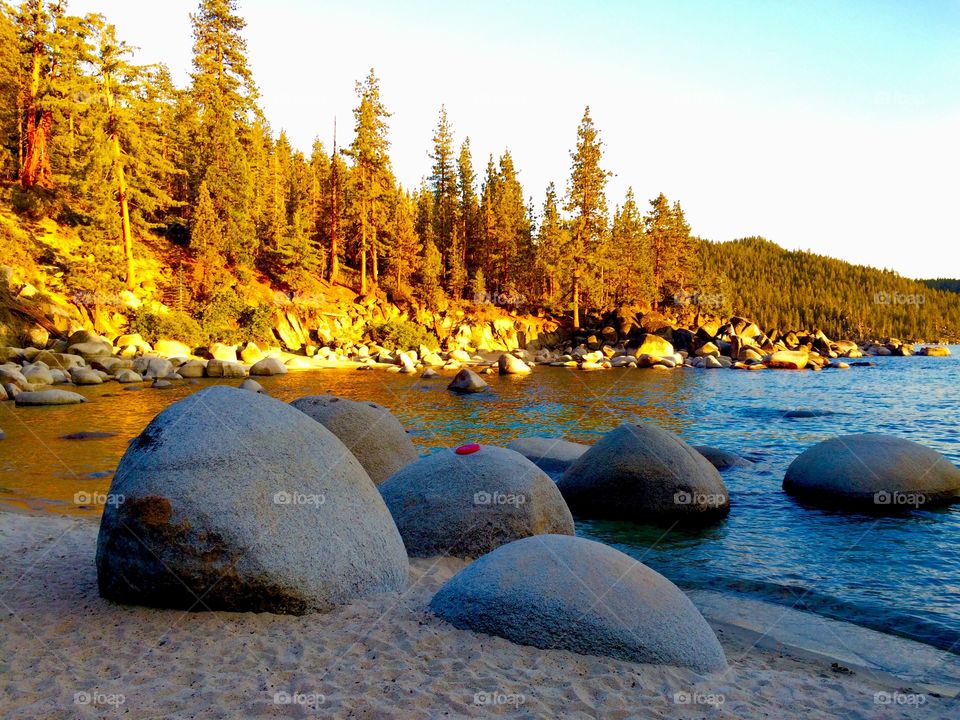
{"x": 898, "y": 574}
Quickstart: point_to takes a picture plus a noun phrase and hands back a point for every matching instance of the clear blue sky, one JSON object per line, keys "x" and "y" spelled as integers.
{"x": 829, "y": 126}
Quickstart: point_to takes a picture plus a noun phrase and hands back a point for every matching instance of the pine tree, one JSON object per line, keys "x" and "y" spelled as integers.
{"x": 659, "y": 227}
{"x": 224, "y": 97}
{"x": 371, "y": 167}
{"x": 469, "y": 210}
{"x": 55, "y": 48}
{"x": 586, "y": 200}
{"x": 553, "y": 264}
{"x": 404, "y": 248}
{"x": 206, "y": 243}
{"x": 627, "y": 266}
{"x": 443, "y": 182}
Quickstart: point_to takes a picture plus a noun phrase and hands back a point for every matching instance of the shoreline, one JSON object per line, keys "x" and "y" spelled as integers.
{"x": 387, "y": 655}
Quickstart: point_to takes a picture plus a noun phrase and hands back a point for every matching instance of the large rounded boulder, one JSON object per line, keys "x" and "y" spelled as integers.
{"x": 468, "y": 501}
{"x": 646, "y": 474}
{"x": 873, "y": 471}
{"x": 233, "y": 500}
{"x": 568, "y": 593}
{"x": 369, "y": 431}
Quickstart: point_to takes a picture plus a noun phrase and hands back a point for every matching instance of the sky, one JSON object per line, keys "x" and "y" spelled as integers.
{"x": 829, "y": 126}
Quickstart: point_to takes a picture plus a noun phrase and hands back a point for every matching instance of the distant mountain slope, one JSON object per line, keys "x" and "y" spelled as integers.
{"x": 943, "y": 284}
{"x": 797, "y": 289}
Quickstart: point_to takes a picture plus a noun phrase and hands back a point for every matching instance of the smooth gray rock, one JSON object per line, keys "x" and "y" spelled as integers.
{"x": 721, "y": 459}
{"x": 13, "y": 376}
{"x": 152, "y": 367}
{"x": 509, "y": 364}
{"x": 873, "y": 471}
{"x": 192, "y": 369}
{"x": 254, "y": 386}
{"x": 48, "y": 397}
{"x": 467, "y": 505}
{"x": 38, "y": 374}
{"x": 247, "y": 503}
{"x": 370, "y": 432}
{"x": 268, "y": 366}
{"x": 550, "y": 454}
{"x": 85, "y": 376}
{"x": 127, "y": 376}
{"x": 561, "y": 592}
{"x": 467, "y": 381}
{"x": 646, "y": 474}
{"x": 220, "y": 368}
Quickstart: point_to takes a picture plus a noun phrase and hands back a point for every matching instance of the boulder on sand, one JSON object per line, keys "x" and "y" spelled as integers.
{"x": 48, "y": 397}
{"x": 370, "y": 432}
{"x": 872, "y": 471}
{"x": 569, "y": 593}
{"x": 550, "y": 454}
{"x": 512, "y": 365}
{"x": 468, "y": 501}
{"x": 644, "y": 473}
{"x": 467, "y": 381}
{"x": 273, "y": 516}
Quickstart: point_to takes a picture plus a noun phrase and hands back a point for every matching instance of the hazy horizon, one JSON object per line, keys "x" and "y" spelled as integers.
{"x": 828, "y": 128}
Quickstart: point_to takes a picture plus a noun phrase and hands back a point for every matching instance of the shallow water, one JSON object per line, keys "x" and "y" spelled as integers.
{"x": 899, "y": 574}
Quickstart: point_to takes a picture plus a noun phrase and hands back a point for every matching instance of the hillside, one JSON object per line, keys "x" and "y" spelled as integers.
{"x": 796, "y": 289}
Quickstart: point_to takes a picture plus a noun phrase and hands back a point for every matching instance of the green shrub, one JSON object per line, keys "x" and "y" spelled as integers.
{"x": 219, "y": 317}
{"x": 256, "y": 323}
{"x": 402, "y": 335}
{"x": 174, "y": 325}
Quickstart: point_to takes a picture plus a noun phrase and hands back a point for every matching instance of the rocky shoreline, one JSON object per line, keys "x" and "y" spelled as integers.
{"x": 27, "y": 375}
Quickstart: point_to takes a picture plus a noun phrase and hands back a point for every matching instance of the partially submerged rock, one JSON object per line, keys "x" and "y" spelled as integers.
{"x": 561, "y": 592}
{"x": 550, "y": 454}
{"x": 273, "y": 515}
{"x": 268, "y": 366}
{"x": 467, "y": 381}
{"x": 721, "y": 459}
{"x": 466, "y": 503}
{"x": 644, "y": 473}
{"x": 370, "y": 431}
{"x": 511, "y": 365}
{"x": 874, "y": 472}
{"x": 48, "y": 397}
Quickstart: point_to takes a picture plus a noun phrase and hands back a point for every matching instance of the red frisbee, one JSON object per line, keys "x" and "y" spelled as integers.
{"x": 467, "y": 449}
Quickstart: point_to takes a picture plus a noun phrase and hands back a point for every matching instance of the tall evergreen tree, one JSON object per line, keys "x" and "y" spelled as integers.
{"x": 443, "y": 182}
{"x": 586, "y": 199}
{"x": 371, "y": 166}
{"x": 224, "y": 97}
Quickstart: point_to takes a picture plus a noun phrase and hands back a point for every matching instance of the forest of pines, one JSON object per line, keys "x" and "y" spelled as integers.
{"x": 118, "y": 151}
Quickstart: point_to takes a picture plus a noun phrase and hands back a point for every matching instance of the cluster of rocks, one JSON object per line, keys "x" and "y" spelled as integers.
{"x": 244, "y": 524}
{"x": 738, "y": 343}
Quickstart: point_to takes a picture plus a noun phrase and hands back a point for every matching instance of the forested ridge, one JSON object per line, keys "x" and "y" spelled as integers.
{"x": 186, "y": 197}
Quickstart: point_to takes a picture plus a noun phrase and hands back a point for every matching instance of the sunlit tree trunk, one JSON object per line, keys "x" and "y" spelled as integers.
{"x": 35, "y": 169}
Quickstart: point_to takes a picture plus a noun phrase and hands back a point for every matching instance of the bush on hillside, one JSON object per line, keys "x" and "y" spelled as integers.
{"x": 174, "y": 325}
{"x": 402, "y": 335}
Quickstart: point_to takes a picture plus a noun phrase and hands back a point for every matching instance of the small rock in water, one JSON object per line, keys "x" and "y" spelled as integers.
{"x": 48, "y": 397}
{"x": 795, "y": 414}
{"x": 88, "y": 435}
{"x": 429, "y": 373}
{"x": 160, "y": 384}
{"x": 253, "y": 386}
{"x": 2, "y": 434}
{"x": 467, "y": 381}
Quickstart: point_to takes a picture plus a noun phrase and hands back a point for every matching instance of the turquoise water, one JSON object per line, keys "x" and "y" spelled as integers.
{"x": 898, "y": 574}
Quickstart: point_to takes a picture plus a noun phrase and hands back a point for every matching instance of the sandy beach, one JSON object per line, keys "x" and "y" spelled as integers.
{"x": 67, "y": 653}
